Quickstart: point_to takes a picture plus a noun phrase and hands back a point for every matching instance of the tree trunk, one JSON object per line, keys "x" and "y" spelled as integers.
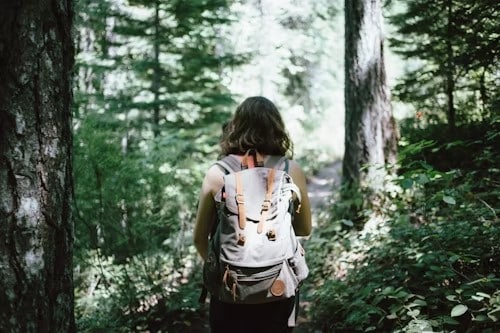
{"x": 483, "y": 92}
{"x": 156, "y": 74}
{"x": 36, "y": 227}
{"x": 370, "y": 130}
{"x": 450, "y": 80}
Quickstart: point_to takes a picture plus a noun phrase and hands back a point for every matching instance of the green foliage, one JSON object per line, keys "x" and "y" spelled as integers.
{"x": 148, "y": 292}
{"x": 451, "y": 48}
{"x": 472, "y": 146}
{"x": 133, "y": 213}
{"x": 127, "y": 203}
{"x": 430, "y": 262}
{"x": 149, "y": 104}
{"x": 175, "y": 75}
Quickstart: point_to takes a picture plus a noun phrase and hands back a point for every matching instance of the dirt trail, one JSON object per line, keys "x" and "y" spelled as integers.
{"x": 320, "y": 189}
{"x": 322, "y": 185}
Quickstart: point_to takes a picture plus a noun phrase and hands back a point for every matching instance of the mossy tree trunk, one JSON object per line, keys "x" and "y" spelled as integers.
{"x": 36, "y": 228}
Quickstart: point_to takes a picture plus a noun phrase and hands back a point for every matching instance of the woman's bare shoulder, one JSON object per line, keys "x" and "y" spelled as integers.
{"x": 214, "y": 179}
{"x": 295, "y": 168}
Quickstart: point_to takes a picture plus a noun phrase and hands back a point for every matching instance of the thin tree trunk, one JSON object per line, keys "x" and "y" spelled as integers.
{"x": 370, "y": 130}
{"x": 156, "y": 74}
{"x": 483, "y": 93}
{"x": 450, "y": 80}
{"x": 36, "y": 227}
{"x": 261, "y": 52}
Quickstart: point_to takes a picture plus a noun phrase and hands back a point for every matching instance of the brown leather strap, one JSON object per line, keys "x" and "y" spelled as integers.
{"x": 266, "y": 205}
{"x": 251, "y": 159}
{"x": 240, "y": 200}
{"x": 251, "y": 163}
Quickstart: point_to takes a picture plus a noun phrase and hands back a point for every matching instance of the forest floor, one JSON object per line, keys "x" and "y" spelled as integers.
{"x": 321, "y": 188}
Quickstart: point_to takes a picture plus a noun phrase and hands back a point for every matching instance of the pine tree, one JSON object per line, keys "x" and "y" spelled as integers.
{"x": 456, "y": 44}
{"x": 176, "y": 68}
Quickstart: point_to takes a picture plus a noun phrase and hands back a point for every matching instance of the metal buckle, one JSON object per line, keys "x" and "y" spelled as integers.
{"x": 266, "y": 205}
{"x": 271, "y": 235}
{"x": 241, "y": 239}
{"x": 239, "y": 199}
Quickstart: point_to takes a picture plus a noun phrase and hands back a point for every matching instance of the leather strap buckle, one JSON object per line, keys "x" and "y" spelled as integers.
{"x": 240, "y": 199}
{"x": 266, "y": 205}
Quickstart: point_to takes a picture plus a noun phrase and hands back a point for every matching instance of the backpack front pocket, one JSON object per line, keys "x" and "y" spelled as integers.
{"x": 250, "y": 285}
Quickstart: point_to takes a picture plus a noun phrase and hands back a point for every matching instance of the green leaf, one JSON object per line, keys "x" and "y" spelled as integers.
{"x": 413, "y": 313}
{"x": 494, "y": 314}
{"x": 459, "y": 310}
{"x": 401, "y": 294}
{"x": 480, "y": 317}
{"x": 449, "y": 200}
{"x": 387, "y": 290}
{"x": 483, "y": 294}
{"x": 452, "y": 298}
{"x": 407, "y": 183}
{"x": 422, "y": 179}
{"x": 449, "y": 320}
{"x": 358, "y": 202}
{"x": 481, "y": 280}
{"x": 392, "y": 316}
{"x": 348, "y": 223}
{"x": 419, "y": 302}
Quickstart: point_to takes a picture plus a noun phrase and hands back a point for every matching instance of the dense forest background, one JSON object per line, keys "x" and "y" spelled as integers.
{"x": 154, "y": 82}
{"x": 403, "y": 94}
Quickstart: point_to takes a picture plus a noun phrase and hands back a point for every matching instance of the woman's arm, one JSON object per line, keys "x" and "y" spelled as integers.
{"x": 206, "y": 210}
{"x": 302, "y": 221}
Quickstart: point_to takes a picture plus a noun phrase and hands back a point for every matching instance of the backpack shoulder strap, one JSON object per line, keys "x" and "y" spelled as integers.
{"x": 283, "y": 163}
{"x": 278, "y": 162}
{"x": 229, "y": 164}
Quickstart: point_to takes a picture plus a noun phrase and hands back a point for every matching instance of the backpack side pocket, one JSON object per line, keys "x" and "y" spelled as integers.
{"x": 298, "y": 263}
{"x": 212, "y": 277}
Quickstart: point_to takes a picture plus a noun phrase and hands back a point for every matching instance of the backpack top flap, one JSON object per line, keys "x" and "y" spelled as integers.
{"x": 254, "y": 187}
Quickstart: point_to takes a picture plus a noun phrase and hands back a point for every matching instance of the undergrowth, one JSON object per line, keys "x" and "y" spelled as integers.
{"x": 430, "y": 261}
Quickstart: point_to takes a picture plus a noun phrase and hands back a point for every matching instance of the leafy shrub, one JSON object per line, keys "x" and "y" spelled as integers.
{"x": 148, "y": 293}
{"x": 423, "y": 273}
{"x": 428, "y": 262}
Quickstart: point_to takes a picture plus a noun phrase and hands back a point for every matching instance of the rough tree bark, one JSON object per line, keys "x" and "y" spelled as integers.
{"x": 370, "y": 130}
{"x": 36, "y": 228}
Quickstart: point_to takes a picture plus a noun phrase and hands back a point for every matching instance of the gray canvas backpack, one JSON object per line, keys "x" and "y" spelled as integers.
{"x": 254, "y": 255}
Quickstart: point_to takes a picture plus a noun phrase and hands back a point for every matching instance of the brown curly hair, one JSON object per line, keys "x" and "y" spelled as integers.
{"x": 256, "y": 124}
